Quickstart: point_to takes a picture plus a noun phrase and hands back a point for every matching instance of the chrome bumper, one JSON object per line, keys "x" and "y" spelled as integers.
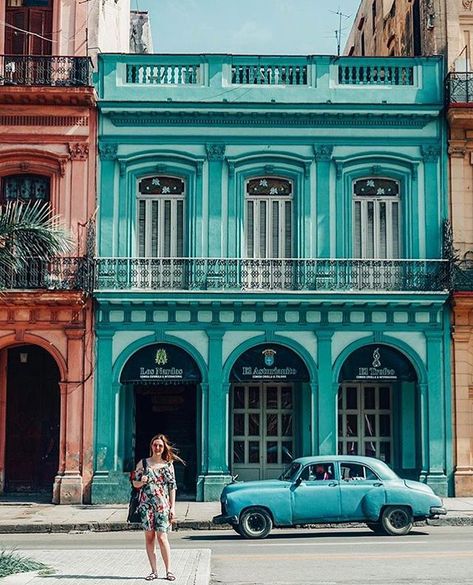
{"x": 437, "y": 511}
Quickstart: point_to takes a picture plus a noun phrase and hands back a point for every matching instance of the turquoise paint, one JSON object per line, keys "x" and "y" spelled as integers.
{"x": 322, "y": 134}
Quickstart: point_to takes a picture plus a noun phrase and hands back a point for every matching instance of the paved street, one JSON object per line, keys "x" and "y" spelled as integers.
{"x": 429, "y": 556}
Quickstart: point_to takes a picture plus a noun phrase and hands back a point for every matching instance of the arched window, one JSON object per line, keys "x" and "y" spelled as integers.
{"x": 160, "y": 221}
{"x": 268, "y": 225}
{"x": 376, "y": 218}
{"x": 34, "y": 16}
{"x": 25, "y": 188}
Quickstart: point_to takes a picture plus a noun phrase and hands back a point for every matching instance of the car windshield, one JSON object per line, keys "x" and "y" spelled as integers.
{"x": 290, "y": 473}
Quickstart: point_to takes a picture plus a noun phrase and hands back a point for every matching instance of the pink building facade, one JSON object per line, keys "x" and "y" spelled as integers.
{"x": 47, "y": 153}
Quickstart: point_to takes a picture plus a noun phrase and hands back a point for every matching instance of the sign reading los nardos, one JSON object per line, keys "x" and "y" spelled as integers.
{"x": 160, "y": 363}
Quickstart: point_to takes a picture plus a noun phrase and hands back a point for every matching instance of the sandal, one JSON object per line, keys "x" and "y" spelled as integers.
{"x": 170, "y": 576}
{"x": 151, "y": 577}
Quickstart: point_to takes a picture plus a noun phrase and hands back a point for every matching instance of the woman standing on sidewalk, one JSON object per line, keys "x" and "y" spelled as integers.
{"x": 157, "y": 483}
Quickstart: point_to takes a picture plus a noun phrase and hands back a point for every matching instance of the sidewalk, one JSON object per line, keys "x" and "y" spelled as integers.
{"x": 125, "y": 567}
{"x": 22, "y": 517}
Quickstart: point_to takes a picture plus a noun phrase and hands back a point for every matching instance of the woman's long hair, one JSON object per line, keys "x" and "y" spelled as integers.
{"x": 169, "y": 452}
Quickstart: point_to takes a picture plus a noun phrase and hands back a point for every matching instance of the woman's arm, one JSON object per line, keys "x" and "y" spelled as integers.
{"x": 142, "y": 479}
{"x": 172, "y": 493}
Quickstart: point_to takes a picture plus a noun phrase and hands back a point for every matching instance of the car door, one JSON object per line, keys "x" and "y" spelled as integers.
{"x": 362, "y": 492}
{"x": 316, "y": 496}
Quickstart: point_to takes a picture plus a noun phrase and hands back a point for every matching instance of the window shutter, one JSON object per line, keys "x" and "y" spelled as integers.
{"x": 41, "y": 24}
{"x": 15, "y": 40}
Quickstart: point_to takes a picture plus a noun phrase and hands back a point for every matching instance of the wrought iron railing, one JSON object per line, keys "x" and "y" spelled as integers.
{"x": 460, "y": 87}
{"x": 236, "y": 274}
{"x": 462, "y": 276}
{"x": 58, "y": 274}
{"x": 33, "y": 70}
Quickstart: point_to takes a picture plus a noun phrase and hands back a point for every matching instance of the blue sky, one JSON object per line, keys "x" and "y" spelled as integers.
{"x": 247, "y": 26}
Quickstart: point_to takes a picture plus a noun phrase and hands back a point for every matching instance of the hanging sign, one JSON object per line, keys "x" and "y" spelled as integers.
{"x": 160, "y": 363}
{"x": 269, "y": 362}
{"x": 377, "y": 362}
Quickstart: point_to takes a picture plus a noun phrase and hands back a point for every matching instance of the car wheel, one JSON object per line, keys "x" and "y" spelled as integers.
{"x": 255, "y": 523}
{"x": 396, "y": 520}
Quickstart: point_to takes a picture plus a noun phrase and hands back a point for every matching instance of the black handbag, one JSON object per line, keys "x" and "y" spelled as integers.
{"x": 133, "y": 514}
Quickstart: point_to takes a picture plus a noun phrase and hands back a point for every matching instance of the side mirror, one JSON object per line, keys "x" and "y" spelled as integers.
{"x": 298, "y": 481}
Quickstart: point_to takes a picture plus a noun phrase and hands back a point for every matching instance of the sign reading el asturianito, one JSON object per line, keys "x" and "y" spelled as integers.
{"x": 269, "y": 362}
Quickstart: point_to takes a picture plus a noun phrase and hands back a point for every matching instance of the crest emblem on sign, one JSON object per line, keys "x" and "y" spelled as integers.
{"x": 269, "y": 356}
{"x": 376, "y": 358}
{"x": 161, "y": 357}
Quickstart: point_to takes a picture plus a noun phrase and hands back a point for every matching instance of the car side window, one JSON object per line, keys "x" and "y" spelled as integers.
{"x": 318, "y": 472}
{"x": 356, "y": 472}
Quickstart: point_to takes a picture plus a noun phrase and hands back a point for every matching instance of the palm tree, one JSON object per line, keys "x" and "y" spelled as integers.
{"x": 27, "y": 231}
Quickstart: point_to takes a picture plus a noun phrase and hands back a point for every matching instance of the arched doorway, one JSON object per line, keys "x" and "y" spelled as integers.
{"x": 266, "y": 410}
{"x": 378, "y": 407}
{"x": 32, "y": 420}
{"x": 161, "y": 382}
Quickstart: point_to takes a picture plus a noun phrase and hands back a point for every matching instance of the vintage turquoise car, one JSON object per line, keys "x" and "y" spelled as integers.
{"x": 328, "y": 489}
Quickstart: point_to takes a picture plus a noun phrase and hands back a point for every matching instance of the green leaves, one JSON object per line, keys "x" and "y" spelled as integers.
{"x": 30, "y": 231}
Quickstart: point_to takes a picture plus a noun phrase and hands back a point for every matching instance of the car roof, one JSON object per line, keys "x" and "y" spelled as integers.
{"x": 371, "y": 461}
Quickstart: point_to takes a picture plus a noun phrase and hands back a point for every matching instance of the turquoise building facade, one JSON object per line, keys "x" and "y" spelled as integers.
{"x": 270, "y": 280}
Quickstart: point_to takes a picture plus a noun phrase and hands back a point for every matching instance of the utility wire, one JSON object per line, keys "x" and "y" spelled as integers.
{"x": 29, "y": 32}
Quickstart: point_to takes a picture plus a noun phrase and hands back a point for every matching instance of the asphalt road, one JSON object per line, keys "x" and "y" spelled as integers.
{"x": 428, "y": 556}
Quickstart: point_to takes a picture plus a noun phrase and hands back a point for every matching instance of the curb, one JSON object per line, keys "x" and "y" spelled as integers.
{"x": 185, "y": 525}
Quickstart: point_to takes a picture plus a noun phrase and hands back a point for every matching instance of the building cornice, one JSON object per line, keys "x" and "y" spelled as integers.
{"x": 43, "y": 96}
{"x": 270, "y": 119}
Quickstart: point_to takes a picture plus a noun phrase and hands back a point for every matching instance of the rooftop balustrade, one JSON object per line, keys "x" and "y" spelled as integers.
{"x": 270, "y": 275}
{"x": 49, "y": 71}
{"x": 308, "y": 79}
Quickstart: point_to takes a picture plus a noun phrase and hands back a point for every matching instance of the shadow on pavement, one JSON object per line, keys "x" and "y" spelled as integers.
{"x": 318, "y": 534}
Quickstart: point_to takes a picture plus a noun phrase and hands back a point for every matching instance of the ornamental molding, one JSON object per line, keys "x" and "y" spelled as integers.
{"x": 430, "y": 153}
{"x": 215, "y": 151}
{"x": 108, "y": 151}
{"x": 467, "y": 4}
{"x": 79, "y": 151}
{"x": 270, "y": 119}
{"x": 323, "y": 152}
{"x": 457, "y": 148}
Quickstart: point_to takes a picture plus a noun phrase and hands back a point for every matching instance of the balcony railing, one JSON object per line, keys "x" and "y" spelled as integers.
{"x": 460, "y": 87}
{"x": 32, "y": 70}
{"x": 261, "y": 275}
{"x": 59, "y": 274}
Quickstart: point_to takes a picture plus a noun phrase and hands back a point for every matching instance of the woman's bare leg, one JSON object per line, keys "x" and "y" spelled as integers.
{"x": 165, "y": 549}
{"x": 150, "y": 549}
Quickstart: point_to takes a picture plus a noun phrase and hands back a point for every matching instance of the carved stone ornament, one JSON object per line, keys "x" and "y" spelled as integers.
{"x": 467, "y": 4}
{"x": 430, "y": 153}
{"x": 79, "y": 151}
{"x": 108, "y": 151}
{"x": 457, "y": 149}
{"x": 215, "y": 151}
{"x": 323, "y": 152}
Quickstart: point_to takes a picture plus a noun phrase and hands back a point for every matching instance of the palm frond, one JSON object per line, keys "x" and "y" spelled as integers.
{"x": 30, "y": 231}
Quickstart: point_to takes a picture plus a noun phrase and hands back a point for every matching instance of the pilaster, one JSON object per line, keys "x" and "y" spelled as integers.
{"x": 325, "y": 415}
{"x": 215, "y": 158}
{"x": 323, "y": 158}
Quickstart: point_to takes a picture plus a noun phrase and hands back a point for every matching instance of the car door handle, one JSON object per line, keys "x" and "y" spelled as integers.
{"x": 332, "y": 484}
{"x": 378, "y": 484}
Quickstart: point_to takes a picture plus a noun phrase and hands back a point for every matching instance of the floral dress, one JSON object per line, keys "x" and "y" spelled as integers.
{"x": 155, "y": 505}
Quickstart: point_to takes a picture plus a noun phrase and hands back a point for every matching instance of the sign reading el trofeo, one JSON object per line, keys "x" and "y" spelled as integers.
{"x": 376, "y": 371}
{"x": 160, "y": 363}
{"x": 269, "y": 362}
